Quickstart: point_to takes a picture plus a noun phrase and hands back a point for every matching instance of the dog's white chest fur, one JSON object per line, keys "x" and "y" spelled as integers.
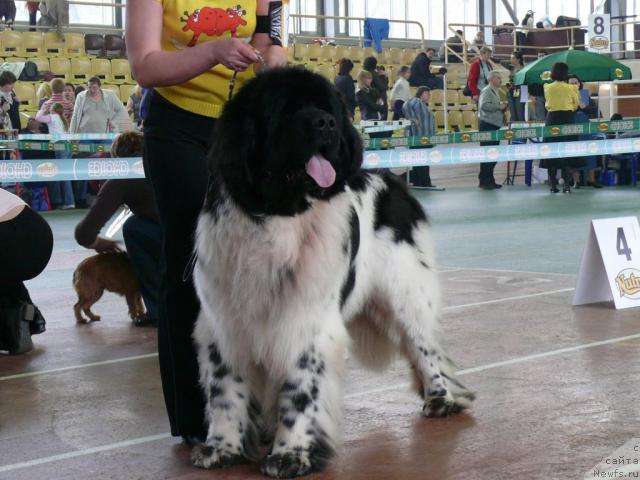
{"x": 272, "y": 282}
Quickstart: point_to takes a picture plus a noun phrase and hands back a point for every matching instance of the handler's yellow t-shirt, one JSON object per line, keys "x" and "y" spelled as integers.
{"x": 186, "y": 23}
{"x": 561, "y": 96}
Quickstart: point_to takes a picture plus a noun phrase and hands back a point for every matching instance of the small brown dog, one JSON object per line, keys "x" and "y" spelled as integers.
{"x": 106, "y": 271}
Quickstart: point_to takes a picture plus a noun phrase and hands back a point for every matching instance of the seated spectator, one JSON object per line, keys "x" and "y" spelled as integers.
{"x": 455, "y": 44}
{"x": 9, "y": 102}
{"x": 26, "y": 243}
{"x": 423, "y": 123}
{"x": 142, "y": 233}
{"x": 344, "y": 84}
{"x": 421, "y": 75}
{"x": 57, "y": 96}
{"x": 401, "y": 92}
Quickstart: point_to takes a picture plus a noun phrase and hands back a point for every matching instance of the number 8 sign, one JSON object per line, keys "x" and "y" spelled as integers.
{"x": 610, "y": 268}
{"x": 599, "y": 33}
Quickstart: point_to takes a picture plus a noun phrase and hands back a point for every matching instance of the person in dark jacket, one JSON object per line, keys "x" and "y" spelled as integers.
{"x": 142, "y": 233}
{"x": 421, "y": 75}
{"x": 9, "y": 102}
{"x": 379, "y": 85}
{"x": 371, "y": 106}
{"x": 345, "y": 85}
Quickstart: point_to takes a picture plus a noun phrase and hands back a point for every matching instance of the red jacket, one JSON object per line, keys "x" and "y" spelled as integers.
{"x": 474, "y": 76}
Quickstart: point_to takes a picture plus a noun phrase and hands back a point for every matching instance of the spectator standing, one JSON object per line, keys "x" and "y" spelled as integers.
{"x": 379, "y": 84}
{"x": 582, "y": 116}
{"x": 490, "y": 117}
{"x": 561, "y": 101}
{"x": 515, "y": 107}
{"x": 421, "y": 71}
{"x": 58, "y": 96}
{"x": 133, "y": 105}
{"x": 9, "y": 102}
{"x": 60, "y": 193}
{"x": 96, "y": 111}
{"x": 345, "y": 85}
{"x": 371, "y": 106}
{"x": 479, "y": 72}
{"x": 401, "y": 92}
{"x": 141, "y": 231}
{"x": 423, "y": 124}
{"x": 69, "y": 93}
{"x": 32, "y": 8}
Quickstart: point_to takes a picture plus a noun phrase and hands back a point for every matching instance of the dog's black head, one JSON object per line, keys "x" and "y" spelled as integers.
{"x": 284, "y": 138}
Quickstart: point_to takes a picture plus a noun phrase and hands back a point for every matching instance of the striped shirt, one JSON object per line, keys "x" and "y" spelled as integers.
{"x": 59, "y": 98}
{"x": 422, "y": 121}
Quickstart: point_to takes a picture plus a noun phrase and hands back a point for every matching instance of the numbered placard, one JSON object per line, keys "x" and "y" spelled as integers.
{"x": 610, "y": 267}
{"x": 599, "y": 33}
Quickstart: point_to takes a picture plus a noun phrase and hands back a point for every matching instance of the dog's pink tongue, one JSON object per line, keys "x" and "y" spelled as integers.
{"x": 321, "y": 171}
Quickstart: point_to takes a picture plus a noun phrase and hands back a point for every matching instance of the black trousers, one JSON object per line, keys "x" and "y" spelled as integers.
{"x": 485, "y": 177}
{"x": 175, "y": 150}
{"x": 143, "y": 238}
{"x": 553, "y": 164}
{"x": 26, "y": 243}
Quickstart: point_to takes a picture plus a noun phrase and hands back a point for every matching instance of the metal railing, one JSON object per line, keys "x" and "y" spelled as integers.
{"x": 295, "y": 21}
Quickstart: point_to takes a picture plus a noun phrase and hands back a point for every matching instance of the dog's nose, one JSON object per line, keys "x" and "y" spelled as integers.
{"x": 324, "y": 123}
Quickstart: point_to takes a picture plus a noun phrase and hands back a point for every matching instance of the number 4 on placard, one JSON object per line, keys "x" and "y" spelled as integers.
{"x": 623, "y": 248}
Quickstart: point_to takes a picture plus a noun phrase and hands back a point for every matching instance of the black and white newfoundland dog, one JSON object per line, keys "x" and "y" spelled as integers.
{"x": 301, "y": 255}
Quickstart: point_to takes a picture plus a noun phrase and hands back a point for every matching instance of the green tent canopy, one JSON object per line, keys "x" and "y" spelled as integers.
{"x": 590, "y": 67}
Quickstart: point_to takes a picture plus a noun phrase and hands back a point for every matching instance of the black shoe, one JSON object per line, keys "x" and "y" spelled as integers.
{"x": 554, "y": 189}
{"x": 192, "y": 440}
{"x": 145, "y": 320}
{"x": 566, "y": 189}
{"x": 595, "y": 184}
{"x": 497, "y": 185}
{"x": 486, "y": 187}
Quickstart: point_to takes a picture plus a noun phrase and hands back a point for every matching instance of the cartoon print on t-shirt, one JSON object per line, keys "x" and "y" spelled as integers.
{"x": 213, "y": 22}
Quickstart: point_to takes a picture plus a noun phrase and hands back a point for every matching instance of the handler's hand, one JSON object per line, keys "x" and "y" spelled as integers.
{"x": 274, "y": 56}
{"x": 234, "y": 54}
{"x": 103, "y": 245}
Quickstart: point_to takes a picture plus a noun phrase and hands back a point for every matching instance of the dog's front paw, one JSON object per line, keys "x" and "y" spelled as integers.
{"x": 445, "y": 405}
{"x": 205, "y": 456}
{"x": 287, "y": 465}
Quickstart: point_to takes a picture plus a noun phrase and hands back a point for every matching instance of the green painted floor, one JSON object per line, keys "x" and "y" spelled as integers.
{"x": 515, "y": 228}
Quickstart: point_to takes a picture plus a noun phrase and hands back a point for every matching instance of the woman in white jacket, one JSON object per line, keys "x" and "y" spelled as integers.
{"x": 401, "y": 92}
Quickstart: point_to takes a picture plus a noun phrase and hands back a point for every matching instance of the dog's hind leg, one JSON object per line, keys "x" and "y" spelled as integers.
{"x": 88, "y": 302}
{"x": 132, "y": 303}
{"x": 77, "y": 310}
{"x": 232, "y": 414}
{"x": 309, "y": 410}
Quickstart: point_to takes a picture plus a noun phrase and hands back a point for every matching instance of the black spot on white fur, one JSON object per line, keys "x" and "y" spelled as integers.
{"x": 397, "y": 210}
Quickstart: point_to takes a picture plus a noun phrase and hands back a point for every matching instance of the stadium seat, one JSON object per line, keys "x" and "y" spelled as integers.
{"x": 27, "y": 95}
{"x": 120, "y": 72}
{"x": 80, "y": 69}
{"x": 326, "y": 71}
{"x": 101, "y": 68}
{"x": 301, "y": 51}
{"x": 383, "y": 57}
{"x": 114, "y": 46}
{"x": 455, "y": 121}
{"x": 113, "y": 88}
{"x": 354, "y": 54}
{"x": 341, "y": 51}
{"x": 32, "y": 44}
{"x": 439, "y": 117}
{"x": 42, "y": 63}
{"x": 469, "y": 120}
{"x": 466, "y": 103}
{"x": 436, "y": 102}
{"x": 15, "y": 59}
{"x": 126, "y": 91}
{"x": 60, "y": 67}
{"x": 396, "y": 56}
{"x": 74, "y": 45}
{"x": 328, "y": 53}
{"x": 11, "y": 42}
{"x": 452, "y": 98}
{"x": 94, "y": 44}
{"x": 408, "y": 56}
{"x": 53, "y": 46}
{"x": 315, "y": 50}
